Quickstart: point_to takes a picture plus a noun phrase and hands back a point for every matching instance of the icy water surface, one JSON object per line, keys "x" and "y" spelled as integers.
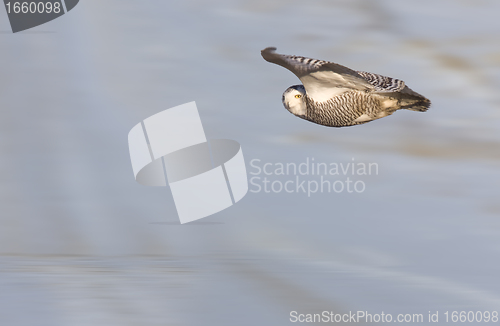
{"x": 82, "y": 244}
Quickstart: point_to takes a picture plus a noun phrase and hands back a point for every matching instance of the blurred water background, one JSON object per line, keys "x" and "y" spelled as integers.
{"x": 81, "y": 243}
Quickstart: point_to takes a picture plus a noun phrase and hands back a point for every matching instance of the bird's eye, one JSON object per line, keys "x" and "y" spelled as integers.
{"x": 298, "y": 96}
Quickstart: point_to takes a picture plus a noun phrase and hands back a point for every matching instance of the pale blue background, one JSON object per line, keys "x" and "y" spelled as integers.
{"x": 82, "y": 244}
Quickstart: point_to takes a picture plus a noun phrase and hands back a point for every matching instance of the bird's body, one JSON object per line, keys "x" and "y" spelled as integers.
{"x": 336, "y": 96}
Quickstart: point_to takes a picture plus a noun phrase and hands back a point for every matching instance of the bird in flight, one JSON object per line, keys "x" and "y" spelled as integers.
{"x": 336, "y": 96}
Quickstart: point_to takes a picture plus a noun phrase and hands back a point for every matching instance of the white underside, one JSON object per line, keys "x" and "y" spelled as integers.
{"x": 363, "y": 118}
{"x": 323, "y": 85}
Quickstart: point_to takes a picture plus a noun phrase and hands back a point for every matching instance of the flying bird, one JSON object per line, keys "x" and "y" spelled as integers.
{"x": 336, "y": 96}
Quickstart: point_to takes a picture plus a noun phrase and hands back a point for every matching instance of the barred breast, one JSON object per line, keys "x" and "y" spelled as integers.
{"x": 344, "y": 110}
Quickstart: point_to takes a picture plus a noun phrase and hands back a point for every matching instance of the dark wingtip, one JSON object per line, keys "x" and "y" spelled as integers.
{"x": 269, "y": 49}
{"x": 267, "y": 52}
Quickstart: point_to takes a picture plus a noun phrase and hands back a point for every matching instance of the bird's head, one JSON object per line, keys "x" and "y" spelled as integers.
{"x": 294, "y": 101}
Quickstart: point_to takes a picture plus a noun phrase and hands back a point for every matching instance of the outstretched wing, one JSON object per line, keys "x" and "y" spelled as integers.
{"x": 383, "y": 83}
{"x": 321, "y": 79}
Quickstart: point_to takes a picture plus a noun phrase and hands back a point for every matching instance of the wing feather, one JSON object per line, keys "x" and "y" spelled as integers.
{"x": 321, "y": 79}
{"x": 383, "y": 83}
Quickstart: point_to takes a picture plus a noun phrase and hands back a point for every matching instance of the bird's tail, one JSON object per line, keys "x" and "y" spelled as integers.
{"x": 411, "y": 100}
